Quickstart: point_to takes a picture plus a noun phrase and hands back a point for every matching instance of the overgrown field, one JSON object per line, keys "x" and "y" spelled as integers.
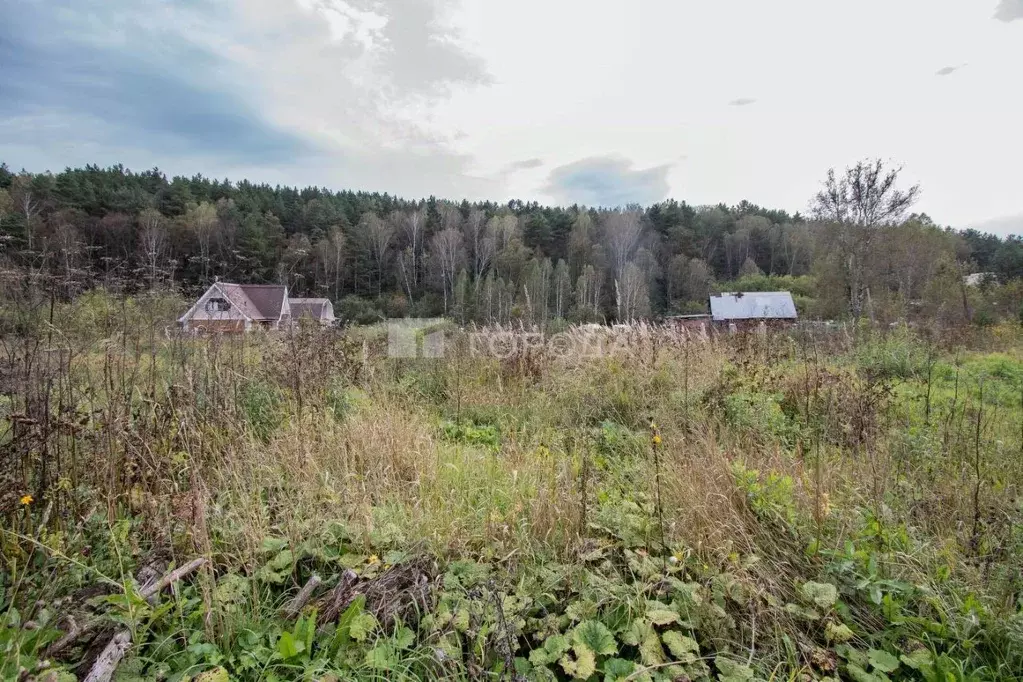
{"x": 804, "y": 505}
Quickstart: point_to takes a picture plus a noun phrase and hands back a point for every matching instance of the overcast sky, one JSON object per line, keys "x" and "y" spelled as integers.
{"x": 601, "y": 102}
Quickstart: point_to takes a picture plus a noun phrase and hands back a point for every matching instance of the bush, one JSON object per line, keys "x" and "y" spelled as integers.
{"x": 356, "y": 310}
{"x": 894, "y": 356}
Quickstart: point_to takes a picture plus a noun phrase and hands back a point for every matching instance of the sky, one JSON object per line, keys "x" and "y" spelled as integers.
{"x": 596, "y": 102}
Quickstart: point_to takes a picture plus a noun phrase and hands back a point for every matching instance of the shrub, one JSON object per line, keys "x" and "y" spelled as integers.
{"x": 353, "y": 309}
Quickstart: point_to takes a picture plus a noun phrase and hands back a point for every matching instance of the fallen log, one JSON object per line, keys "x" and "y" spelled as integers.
{"x": 302, "y": 598}
{"x": 402, "y": 591}
{"x": 151, "y": 589}
{"x": 104, "y": 667}
{"x": 172, "y": 577}
{"x": 338, "y": 598}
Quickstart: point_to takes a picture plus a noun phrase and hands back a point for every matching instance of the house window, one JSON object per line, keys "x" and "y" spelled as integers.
{"x": 218, "y": 305}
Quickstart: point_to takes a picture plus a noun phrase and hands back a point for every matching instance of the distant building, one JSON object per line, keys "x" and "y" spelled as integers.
{"x": 237, "y": 308}
{"x": 743, "y": 310}
{"x": 978, "y": 278}
{"x": 697, "y": 322}
{"x": 316, "y": 309}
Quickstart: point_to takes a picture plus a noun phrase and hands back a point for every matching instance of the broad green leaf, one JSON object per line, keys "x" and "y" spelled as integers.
{"x": 838, "y": 632}
{"x": 217, "y": 674}
{"x": 289, "y": 647}
{"x": 680, "y": 646}
{"x": 662, "y": 616}
{"x": 596, "y": 637}
{"x": 882, "y": 660}
{"x": 522, "y": 666}
{"x": 543, "y": 673}
{"x": 550, "y": 652}
{"x": 616, "y": 669}
{"x": 659, "y": 613}
{"x": 361, "y": 626}
{"x": 343, "y": 635}
{"x": 404, "y": 638}
{"x": 730, "y": 671}
{"x": 581, "y": 610}
{"x": 582, "y": 665}
{"x": 823, "y": 595}
{"x": 271, "y": 545}
{"x": 382, "y": 657}
{"x": 305, "y": 630}
{"x": 650, "y": 650}
{"x": 852, "y": 655}
{"x": 918, "y": 659}
{"x": 858, "y": 674}
{"x": 283, "y": 560}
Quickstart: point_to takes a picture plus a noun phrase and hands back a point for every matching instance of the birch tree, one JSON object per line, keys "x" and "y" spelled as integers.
{"x": 378, "y": 235}
{"x": 412, "y": 225}
{"x": 447, "y": 253}
{"x": 202, "y": 219}
{"x": 330, "y": 251}
{"x": 152, "y": 243}
{"x": 26, "y": 202}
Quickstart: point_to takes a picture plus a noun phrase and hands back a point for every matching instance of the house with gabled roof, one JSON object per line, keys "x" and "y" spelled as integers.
{"x": 319, "y": 310}
{"x": 237, "y": 308}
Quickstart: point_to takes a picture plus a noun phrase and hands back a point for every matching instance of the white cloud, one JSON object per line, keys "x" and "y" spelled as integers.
{"x": 464, "y": 98}
{"x": 1009, "y": 10}
{"x": 607, "y": 181}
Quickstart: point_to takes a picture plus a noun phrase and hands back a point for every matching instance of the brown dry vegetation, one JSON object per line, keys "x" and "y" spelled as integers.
{"x": 871, "y": 462}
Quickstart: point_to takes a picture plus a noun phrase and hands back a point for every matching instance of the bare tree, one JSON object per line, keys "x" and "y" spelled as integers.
{"x": 622, "y": 230}
{"x": 330, "y": 251}
{"x": 865, "y": 195}
{"x": 202, "y": 219}
{"x": 537, "y": 289}
{"x": 447, "y": 253}
{"x": 562, "y": 289}
{"x": 152, "y": 242}
{"x": 406, "y": 272}
{"x": 68, "y": 247}
{"x": 864, "y": 198}
{"x": 25, "y": 200}
{"x": 502, "y": 229}
{"x": 632, "y": 294}
{"x": 587, "y": 292}
{"x": 378, "y": 235}
{"x": 450, "y": 215}
{"x": 413, "y": 225}
{"x": 482, "y": 245}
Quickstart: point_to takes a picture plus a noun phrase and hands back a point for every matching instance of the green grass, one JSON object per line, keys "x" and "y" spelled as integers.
{"x": 820, "y": 516}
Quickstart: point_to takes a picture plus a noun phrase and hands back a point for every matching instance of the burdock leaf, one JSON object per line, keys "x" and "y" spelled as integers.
{"x": 823, "y": 595}
{"x": 596, "y": 637}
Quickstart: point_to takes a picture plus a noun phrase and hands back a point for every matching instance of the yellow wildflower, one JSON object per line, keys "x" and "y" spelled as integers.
{"x": 373, "y": 560}
{"x": 656, "y": 440}
{"x": 27, "y": 500}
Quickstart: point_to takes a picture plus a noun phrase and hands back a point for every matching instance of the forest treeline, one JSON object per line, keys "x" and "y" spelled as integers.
{"x": 859, "y": 251}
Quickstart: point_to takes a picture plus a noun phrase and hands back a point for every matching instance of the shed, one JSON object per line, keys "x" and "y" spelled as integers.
{"x": 753, "y": 305}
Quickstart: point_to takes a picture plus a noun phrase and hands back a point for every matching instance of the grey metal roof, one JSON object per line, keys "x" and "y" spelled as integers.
{"x": 753, "y": 305}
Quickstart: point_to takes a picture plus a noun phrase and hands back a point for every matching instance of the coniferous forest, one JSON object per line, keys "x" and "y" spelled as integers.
{"x": 860, "y": 250}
